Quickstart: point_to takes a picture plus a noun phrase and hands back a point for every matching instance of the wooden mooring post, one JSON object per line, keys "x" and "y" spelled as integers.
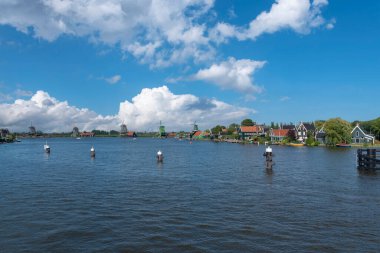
{"x": 268, "y": 158}
{"x": 368, "y": 159}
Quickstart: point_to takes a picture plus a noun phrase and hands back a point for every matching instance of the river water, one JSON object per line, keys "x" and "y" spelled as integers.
{"x": 205, "y": 197}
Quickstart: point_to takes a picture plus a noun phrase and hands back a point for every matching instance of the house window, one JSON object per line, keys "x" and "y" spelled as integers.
{"x": 357, "y": 133}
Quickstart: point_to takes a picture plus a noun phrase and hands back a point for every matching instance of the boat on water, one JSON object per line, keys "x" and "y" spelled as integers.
{"x": 343, "y": 145}
{"x": 47, "y": 148}
{"x": 296, "y": 144}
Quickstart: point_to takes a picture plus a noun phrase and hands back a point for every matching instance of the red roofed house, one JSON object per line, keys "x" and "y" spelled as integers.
{"x": 131, "y": 134}
{"x": 249, "y": 132}
{"x": 277, "y": 135}
{"x": 86, "y": 134}
{"x": 172, "y": 134}
{"x": 197, "y": 135}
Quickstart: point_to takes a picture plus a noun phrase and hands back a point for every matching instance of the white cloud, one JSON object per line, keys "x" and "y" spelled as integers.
{"x": 23, "y": 93}
{"x": 284, "y": 98}
{"x": 5, "y": 97}
{"x": 232, "y": 74}
{"x": 159, "y": 33}
{"x": 113, "y": 79}
{"x": 222, "y": 32}
{"x": 298, "y": 15}
{"x": 176, "y": 111}
{"x": 331, "y": 24}
{"x": 49, "y": 114}
{"x": 231, "y": 13}
{"x": 162, "y": 27}
{"x": 143, "y": 113}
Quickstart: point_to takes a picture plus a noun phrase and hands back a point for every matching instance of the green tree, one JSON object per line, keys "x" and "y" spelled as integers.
{"x": 319, "y": 124}
{"x": 371, "y": 126}
{"x": 247, "y": 122}
{"x": 310, "y": 139}
{"x": 337, "y": 131}
{"x": 291, "y": 136}
{"x": 232, "y": 128}
{"x": 100, "y": 132}
{"x": 217, "y": 129}
{"x": 114, "y": 132}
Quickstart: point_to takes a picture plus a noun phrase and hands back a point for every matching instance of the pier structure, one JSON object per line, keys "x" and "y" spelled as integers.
{"x": 368, "y": 159}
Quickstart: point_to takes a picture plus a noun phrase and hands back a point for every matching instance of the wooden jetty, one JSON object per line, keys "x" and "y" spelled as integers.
{"x": 368, "y": 159}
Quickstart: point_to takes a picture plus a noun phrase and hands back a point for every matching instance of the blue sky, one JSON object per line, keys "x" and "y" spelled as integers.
{"x": 203, "y": 60}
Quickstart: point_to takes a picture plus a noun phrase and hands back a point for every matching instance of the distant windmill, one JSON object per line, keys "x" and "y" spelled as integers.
{"x": 195, "y": 126}
{"x": 195, "y": 129}
{"x": 161, "y": 131}
{"x": 123, "y": 129}
{"x": 32, "y": 129}
{"x": 75, "y": 132}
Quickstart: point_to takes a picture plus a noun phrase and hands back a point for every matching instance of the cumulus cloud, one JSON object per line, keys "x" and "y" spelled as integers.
{"x": 298, "y": 15}
{"x": 113, "y": 79}
{"x": 159, "y": 33}
{"x": 134, "y": 25}
{"x": 49, "y": 114}
{"x": 232, "y": 74}
{"x": 177, "y": 111}
{"x": 143, "y": 112}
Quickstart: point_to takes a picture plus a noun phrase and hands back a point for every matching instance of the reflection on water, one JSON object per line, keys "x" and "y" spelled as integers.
{"x": 366, "y": 172}
{"x": 205, "y": 197}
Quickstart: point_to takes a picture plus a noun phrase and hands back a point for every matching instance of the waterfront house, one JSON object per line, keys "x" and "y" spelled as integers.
{"x": 278, "y": 135}
{"x": 250, "y": 132}
{"x": 172, "y": 135}
{"x": 320, "y": 135}
{"x": 131, "y": 134}
{"x": 359, "y": 136}
{"x": 302, "y": 130}
{"x": 198, "y": 135}
{"x": 87, "y": 134}
{"x": 4, "y": 133}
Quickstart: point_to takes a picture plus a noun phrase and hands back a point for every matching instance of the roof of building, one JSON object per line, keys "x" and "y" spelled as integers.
{"x": 288, "y": 126}
{"x": 172, "y": 134}
{"x": 366, "y": 135}
{"x": 87, "y": 134}
{"x": 197, "y": 134}
{"x": 130, "y": 133}
{"x": 309, "y": 126}
{"x": 320, "y": 135}
{"x": 280, "y": 132}
{"x": 251, "y": 129}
